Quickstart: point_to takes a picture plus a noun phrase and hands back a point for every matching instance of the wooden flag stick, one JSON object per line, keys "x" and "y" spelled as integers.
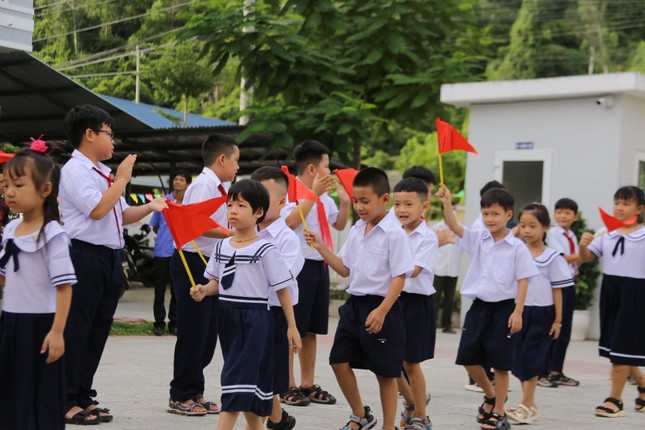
{"x": 190, "y": 275}
{"x": 199, "y": 252}
{"x": 440, "y": 170}
{"x": 304, "y": 223}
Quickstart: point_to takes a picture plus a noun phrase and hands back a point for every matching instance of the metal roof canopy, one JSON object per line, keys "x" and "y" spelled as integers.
{"x": 34, "y": 99}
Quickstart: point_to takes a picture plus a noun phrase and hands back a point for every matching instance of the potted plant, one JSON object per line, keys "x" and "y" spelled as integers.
{"x": 586, "y": 283}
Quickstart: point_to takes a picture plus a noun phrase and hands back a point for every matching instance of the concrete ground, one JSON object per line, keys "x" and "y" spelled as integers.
{"x": 135, "y": 372}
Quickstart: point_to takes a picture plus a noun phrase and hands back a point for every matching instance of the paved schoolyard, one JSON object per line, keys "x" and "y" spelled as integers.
{"x": 135, "y": 372}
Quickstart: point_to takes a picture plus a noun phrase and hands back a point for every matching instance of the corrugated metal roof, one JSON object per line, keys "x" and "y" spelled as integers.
{"x": 149, "y": 114}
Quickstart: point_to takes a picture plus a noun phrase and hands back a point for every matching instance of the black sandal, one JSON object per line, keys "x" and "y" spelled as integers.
{"x": 640, "y": 403}
{"x": 80, "y": 419}
{"x": 318, "y": 395}
{"x": 294, "y": 397}
{"x": 496, "y": 421}
{"x": 486, "y": 415}
{"x": 106, "y": 418}
{"x": 604, "y": 411}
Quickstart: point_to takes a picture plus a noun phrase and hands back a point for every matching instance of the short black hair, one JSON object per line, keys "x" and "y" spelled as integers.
{"x": 375, "y": 178}
{"x": 309, "y": 152}
{"x": 566, "y": 203}
{"x": 631, "y": 192}
{"x": 499, "y": 196}
{"x": 413, "y": 185}
{"x": 252, "y": 192}
{"x": 422, "y": 173}
{"x": 266, "y": 173}
{"x": 216, "y": 145}
{"x": 489, "y": 186}
{"x": 80, "y": 118}
{"x": 184, "y": 174}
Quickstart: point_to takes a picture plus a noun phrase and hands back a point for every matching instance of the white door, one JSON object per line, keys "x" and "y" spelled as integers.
{"x": 526, "y": 174}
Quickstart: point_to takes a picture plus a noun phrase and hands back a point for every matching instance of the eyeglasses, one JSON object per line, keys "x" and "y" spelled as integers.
{"x": 108, "y": 132}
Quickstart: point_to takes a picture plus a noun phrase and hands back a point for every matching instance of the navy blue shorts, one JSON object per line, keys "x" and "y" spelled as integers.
{"x": 485, "y": 337}
{"x": 281, "y": 351}
{"x": 420, "y": 326}
{"x": 381, "y": 353}
{"x": 533, "y": 346}
{"x": 312, "y": 310}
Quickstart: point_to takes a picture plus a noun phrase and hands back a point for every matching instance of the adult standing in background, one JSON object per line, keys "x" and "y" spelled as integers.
{"x": 163, "y": 252}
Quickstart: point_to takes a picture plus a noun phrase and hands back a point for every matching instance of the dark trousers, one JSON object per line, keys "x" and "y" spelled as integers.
{"x": 560, "y": 345}
{"x": 94, "y": 299}
{"x": 445, "y": 297}
{"x": 196, "y": 329}
{"x": 162, "y": 277}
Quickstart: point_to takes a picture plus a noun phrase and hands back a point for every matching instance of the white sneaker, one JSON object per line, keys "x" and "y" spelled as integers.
{"x": 474, "y": 387}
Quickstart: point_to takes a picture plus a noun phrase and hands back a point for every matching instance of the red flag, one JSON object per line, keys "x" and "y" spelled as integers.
{"x": 297, "y": 190}
{"x": 613, "y": 223}
{"x": 450, "y": 139}
{"x": 346, "y": 178}
{"x": 4, "y": 156}
{"x": 187, "y": 222}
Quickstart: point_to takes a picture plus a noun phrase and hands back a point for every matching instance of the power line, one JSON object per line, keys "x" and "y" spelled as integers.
{"x": 130, "y": 18}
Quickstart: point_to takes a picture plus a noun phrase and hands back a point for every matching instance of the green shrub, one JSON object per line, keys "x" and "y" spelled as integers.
{"x": 588, "y": 273}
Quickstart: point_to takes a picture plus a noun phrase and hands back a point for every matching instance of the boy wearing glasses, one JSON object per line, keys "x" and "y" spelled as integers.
{"x": 93, "y": 212}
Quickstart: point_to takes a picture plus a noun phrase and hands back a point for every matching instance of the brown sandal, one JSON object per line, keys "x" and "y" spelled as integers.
{"x": 318, "y": 395}
{"x": 295, "y": 397}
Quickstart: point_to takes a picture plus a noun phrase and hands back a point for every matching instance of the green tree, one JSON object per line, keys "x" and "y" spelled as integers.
{"x": 337, "y": 70}
{"x": 178, "y": 75}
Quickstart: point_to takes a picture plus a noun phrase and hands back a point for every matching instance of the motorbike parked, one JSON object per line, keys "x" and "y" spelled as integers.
{"x": 138, "y": 257}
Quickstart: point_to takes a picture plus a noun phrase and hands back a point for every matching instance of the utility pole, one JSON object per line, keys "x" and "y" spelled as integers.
{"x": 246, "y": 95}
{"x": 137, "y": 74}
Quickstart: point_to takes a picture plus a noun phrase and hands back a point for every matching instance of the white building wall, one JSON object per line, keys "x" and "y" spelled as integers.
{"x": 16, "y": 24}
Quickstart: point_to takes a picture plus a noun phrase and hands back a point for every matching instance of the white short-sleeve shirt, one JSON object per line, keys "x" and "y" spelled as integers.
{"x": 81, "y": 190}
{"x": 478, "y": 224}
{"x": 495, "y": 267}
{"x": 556, "y": 238}
{"x": 448, "y": 256}
{"x": 43, "y": 266}
{"x": 627, "y": 259}
{"x": 205, "y": 187}
{"x": 280, "y": 235}
{"x": 554, "y": 272}
{"x": 313, "y": 224}
{"x": 424, "y": 246}
{"x": 374, "y": 260}
{"x": 259, "y": 268}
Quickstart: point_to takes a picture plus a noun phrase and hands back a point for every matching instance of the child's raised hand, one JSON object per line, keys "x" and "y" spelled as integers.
{"x": 124, "y": 171}
{"x": 55, "y": 345}
{"x": 443, "y": 194}
{"x": 313, "y": 239}
{"x": 342, "y": 194}
{"x": 586, "y": 239}
{"x": 198, "y": 292}
{"x": 158, "y": 204}
{"x": 374, "y": 321}
{"x": 322, "y": 184}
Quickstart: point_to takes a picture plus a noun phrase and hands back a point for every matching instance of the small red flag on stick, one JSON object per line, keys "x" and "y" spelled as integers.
{"x": 346, "y": 178}
{"x": 450, "y": 139}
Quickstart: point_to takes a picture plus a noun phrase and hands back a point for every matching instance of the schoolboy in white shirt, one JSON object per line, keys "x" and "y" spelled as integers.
{"x": 376, "y": 256}
{"x": 416, "y": 300}
{"x": 561, "y": 238}
{"x": 497, "y": 281}
{"x": 197, "y": 321}
{"x": 93, "y": 212}
{"x": 312, "y": 311}
{"x": 274, "y": 230}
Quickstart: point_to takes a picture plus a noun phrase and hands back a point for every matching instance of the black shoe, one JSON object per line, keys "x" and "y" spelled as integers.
{"x": 172, "y": 330}
{"x": 287, "y": 422}
{"x": 158, "y": 331}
